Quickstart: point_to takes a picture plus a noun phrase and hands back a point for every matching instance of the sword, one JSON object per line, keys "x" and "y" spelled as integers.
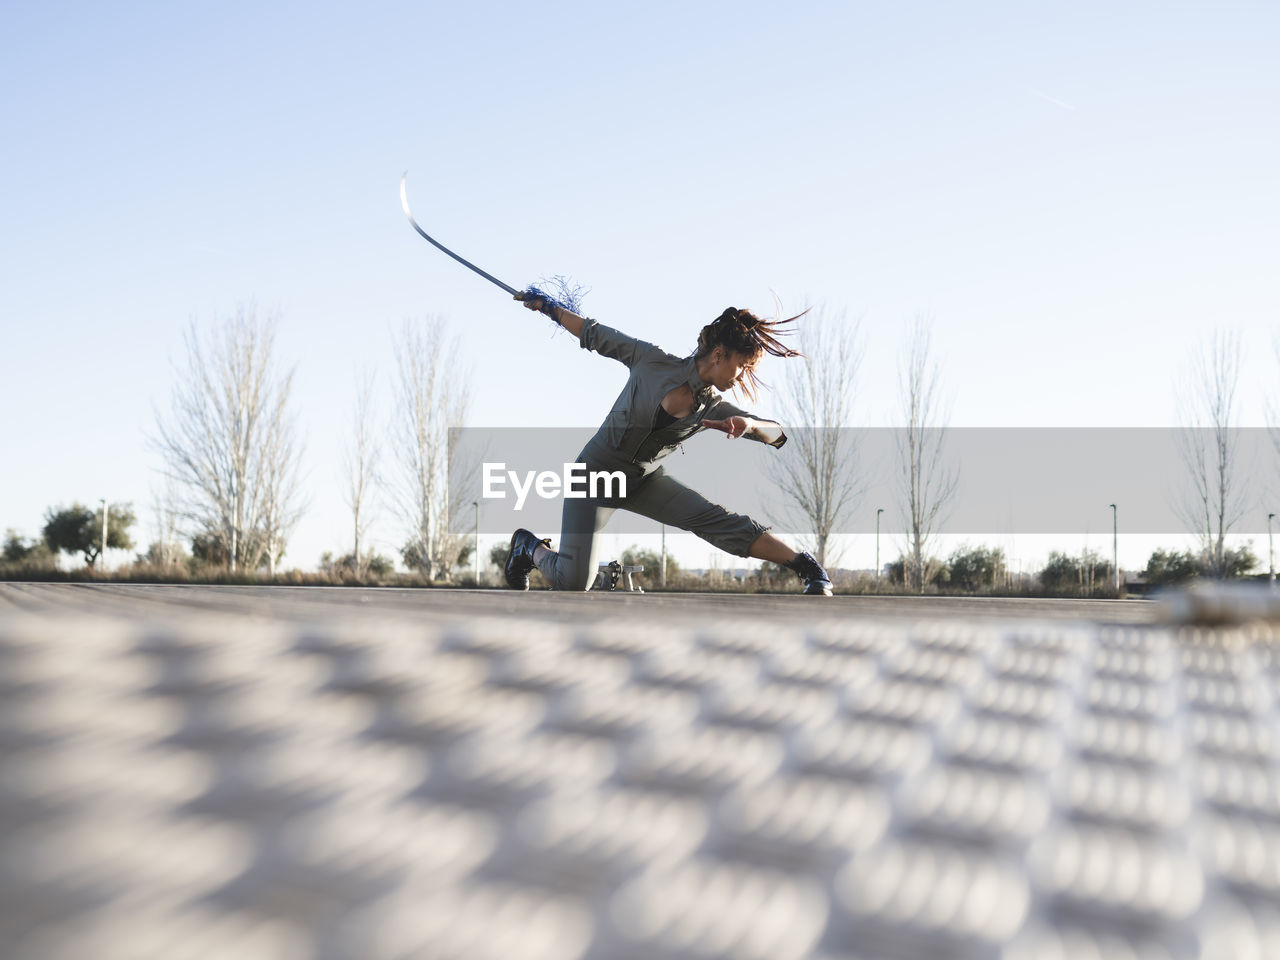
{"x": 404, "y": 202}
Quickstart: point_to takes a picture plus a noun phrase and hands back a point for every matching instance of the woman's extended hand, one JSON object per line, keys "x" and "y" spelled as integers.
{"x": 734, "y": 426}
{"x": 566, "y": 318}
{"x": 536, "y": 304}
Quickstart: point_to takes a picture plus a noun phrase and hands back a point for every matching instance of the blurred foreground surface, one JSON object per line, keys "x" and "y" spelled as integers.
{"x": 274, "y": 773}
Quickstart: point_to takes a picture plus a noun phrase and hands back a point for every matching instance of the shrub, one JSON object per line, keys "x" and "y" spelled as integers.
{"x": 1171, "y": 566}
{"x": 651, "y": 560}
{"x": 19, "y": 554}
{"x": 1083, "y": 573}
{"x": 975, "y": 568}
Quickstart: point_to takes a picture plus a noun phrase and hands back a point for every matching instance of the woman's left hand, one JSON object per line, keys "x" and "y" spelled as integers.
{"x": 535, "y": 303}
{"x": 734, "y": 426}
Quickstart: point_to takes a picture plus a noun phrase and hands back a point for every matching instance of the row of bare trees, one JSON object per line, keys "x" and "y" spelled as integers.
{"x": 823, "y": 477}
{"x": 432, "y": 485}
{"x": 425, "y": 486}
{"x": 231, "y": 453}
{"x": 825, "y": 481}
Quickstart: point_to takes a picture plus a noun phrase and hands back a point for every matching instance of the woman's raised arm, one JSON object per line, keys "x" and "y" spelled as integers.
{"x": 593, "y": 335}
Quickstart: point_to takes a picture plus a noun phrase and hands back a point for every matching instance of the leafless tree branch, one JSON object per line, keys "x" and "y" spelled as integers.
{"x": 1208, "y": 446}
{"x": 229, "y": 441}
{"x": 431, "y": 398}
{"x": 361, "y": 461}
{"x": 819, "y": 471}
{"x": 167, "y": 516}
{"x": 928, "y": 483}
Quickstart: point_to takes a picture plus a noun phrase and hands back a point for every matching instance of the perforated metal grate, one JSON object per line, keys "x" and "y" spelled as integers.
{"x": 749, "y": 789}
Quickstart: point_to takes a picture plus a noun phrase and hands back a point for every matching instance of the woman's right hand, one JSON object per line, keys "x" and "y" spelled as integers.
{"x": 733, "y": 427}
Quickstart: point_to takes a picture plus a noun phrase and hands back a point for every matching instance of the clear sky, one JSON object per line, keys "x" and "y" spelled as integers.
{"x": 1077, "y": 191}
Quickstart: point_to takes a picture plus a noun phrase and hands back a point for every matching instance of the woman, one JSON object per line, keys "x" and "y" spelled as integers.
{"x": 666, "y": 400}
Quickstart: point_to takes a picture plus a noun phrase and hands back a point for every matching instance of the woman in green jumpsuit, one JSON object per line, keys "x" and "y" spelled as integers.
{"x": 665, "y": 401}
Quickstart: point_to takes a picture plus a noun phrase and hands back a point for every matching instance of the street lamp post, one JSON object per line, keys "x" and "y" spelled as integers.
{"x": 103, "y": 554}
{"x": 476, "y": 504}
{"x": 879, "y": 510}
{"x": 1115, "y": 550}
{"x": 1271, "y": 550}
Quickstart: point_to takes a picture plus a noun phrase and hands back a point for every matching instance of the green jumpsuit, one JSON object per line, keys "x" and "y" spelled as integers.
{"x": 635, "y": 435}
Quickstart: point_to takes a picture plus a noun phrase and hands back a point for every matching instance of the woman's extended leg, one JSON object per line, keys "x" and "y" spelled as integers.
{"x": 669, "y": 501}
{"x": 768, "y": 547}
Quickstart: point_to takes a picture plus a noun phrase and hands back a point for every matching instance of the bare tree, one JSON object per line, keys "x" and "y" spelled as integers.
{"x": 432, "y": 487}
{"x": 229, "y": 441}
{"x": 819, "y": 470}
{"x": 1208, "y": 447}
{"x": 280, "y": 504}
{"x": 166, "y": 514}
{"x": 928, "y": 484}
{"x": 361, "y": 462}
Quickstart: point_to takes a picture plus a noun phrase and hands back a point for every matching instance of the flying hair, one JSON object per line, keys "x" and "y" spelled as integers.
{"x": 742, "y": 332}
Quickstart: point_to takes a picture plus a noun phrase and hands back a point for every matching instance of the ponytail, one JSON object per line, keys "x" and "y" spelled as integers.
{"x": 741, "y": 331}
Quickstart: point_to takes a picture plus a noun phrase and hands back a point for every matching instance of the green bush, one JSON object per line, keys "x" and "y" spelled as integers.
{"x": 1084, "y": 573}
{"x": 975, "y": 568}
{"x": 651, "y": 560}
{"x": 19, "y": 554}
{"x": 1166, "y": 567}
{"x": 374, "y": 565}
{"x": 1171, "y": 566}
{"x": 412, "y": 558}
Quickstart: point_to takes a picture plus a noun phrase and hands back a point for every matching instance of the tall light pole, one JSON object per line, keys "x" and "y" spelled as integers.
{"x": 1115, "y": 550}
{"x": 1271, "y": 550}
{"x": 103, "y": 554}
{"x": 879, "y": 510}
{"x": 476, "y": 504}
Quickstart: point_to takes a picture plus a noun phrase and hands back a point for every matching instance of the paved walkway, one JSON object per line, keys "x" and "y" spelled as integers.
{"x": 305, "y": 603}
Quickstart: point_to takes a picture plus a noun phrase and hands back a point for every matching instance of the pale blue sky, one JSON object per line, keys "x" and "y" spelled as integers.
{"x": 1076, "y": 191}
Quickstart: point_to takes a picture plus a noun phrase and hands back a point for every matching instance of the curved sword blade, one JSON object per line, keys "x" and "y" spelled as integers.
{"x": 404, "y": 202}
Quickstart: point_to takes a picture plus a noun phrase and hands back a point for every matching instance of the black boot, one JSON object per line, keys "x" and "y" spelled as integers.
{"x": 816, "y": 581}
{"x": 520, "y": 559}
